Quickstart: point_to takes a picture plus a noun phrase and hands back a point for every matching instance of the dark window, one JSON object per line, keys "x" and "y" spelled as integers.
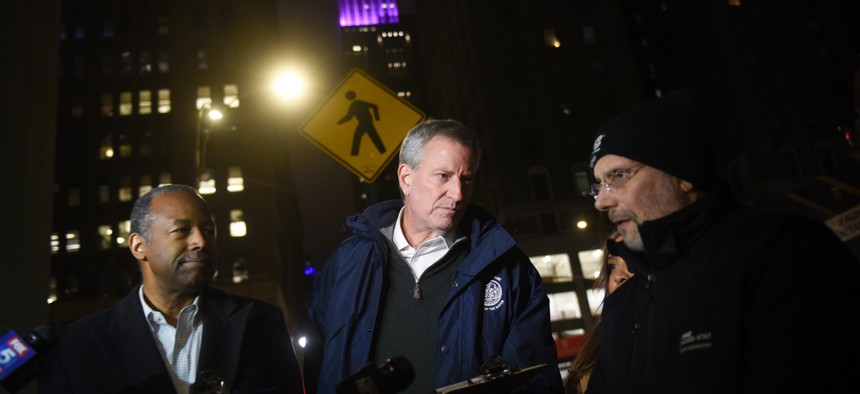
{"x": 80, "y": 31}
{"x": 201, "y": 19}
{"x": 107, "y": 29}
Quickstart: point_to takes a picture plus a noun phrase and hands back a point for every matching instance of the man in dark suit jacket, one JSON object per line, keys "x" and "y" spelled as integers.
{"x": 175, "y": 333}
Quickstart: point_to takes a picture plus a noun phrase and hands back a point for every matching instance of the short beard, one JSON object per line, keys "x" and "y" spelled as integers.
{"x": 634, "y": 243}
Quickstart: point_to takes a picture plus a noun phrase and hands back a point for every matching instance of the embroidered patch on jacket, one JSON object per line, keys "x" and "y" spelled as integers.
{"x": 493, "y": 295}
{"x": 690, "y": 341}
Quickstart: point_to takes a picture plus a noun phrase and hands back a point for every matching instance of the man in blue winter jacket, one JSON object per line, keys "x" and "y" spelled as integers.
{"x": 432, "y": 279}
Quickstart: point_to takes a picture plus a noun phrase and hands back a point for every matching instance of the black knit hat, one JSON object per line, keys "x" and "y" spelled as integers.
{"x": 669, "y": 133}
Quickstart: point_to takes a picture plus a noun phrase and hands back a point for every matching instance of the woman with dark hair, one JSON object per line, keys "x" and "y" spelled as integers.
{"x": 612, "y": 275}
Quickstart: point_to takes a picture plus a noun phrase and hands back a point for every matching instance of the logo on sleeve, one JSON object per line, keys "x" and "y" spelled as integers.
{"x": 690, "y": 341}
{"x": 493, "y": 295}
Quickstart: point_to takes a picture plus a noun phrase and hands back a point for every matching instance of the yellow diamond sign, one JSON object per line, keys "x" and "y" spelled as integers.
{"x": 361, "y": 124}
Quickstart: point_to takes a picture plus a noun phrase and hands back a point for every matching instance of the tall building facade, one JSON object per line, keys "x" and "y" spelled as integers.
{"x": 138, "y": 81}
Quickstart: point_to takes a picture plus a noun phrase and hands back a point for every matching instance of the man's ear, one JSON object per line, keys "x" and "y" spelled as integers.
{"x": 404, "y": 177}
{"x": 137, "y": 245}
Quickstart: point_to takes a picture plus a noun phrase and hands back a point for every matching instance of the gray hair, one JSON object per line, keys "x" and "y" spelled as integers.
{"x": 141, "y": 213}
{"x": 421, "y": 134}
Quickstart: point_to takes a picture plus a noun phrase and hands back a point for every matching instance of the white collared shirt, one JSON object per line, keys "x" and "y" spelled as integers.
{"x": 180, "y": 345}
{"x": 428, "y": 253}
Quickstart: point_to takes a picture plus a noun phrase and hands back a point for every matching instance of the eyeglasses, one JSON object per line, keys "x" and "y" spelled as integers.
{"x": 614, "y": 180}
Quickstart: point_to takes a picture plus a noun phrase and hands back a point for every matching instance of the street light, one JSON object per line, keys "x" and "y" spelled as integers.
{"x": 287, "y": 85}
{"x": 202, "y": 173}
{"x": 290, "y": 85}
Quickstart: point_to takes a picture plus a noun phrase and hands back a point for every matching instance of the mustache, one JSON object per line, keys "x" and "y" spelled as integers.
{"x": 196, "y": 256}
{"x": 617, "y": 215}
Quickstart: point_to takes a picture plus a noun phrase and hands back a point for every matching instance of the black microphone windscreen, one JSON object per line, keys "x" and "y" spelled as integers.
{"x": 42, "y": 338}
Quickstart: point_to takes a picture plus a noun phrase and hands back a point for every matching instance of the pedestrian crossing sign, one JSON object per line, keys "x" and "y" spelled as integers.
{"x": 361, "y": 124}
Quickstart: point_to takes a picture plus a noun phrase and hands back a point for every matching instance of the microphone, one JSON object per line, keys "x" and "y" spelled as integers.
{"x": 391, "y": 377}
{"x": 21, "y": 357}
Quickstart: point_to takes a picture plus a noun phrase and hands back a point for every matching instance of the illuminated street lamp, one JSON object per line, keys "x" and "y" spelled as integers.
{"x": 202, "y": 173}
{"x": 288, "y": 85}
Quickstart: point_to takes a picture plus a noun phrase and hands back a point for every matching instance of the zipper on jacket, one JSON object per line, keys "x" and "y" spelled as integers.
{"x": 416, "y": 294}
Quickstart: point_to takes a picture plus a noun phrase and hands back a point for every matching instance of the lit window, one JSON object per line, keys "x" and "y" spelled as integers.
{"x": 144, "y": 105}
{"x": 106, "y": 237}
{"x": 206, "y": 184}
{"x": 163, "y": 61}
{"x": 237, "y": 223}
{"x": 107, "y": 104}
{"x": 74, "y": 196}
{"x": 164, "y": 179}
{"x": 235, "y": 181}
{"x": 553, "y": 268}
{"x": 590, "y": 261}
{"x": 55, "y": 243}
{"x": 163, "y": 101}
{"x": 73, "y": 241}
{"x": 595, "y": 299}
{"x": 231, "y": 96}
{"x": 104, "y": 194}
{"x": 145, "y": 185}
{"x": 124, "y": 228}
{"x": 124, "y": 192}
{"x": 125, "y": 105}
{"x": 204, "y": 97}
{"x": 550, "y": 38}
{"x": 563, "y": 306}
{"x": 240, "y": 269}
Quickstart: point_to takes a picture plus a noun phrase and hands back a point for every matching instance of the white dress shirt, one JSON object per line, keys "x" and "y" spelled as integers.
{"x": 427, "y": 254}
{"x": 180, "y": 345}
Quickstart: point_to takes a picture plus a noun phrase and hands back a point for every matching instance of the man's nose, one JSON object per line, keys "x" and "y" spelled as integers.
{"x": 455, "y": 189}
{"x": 197, "y": 240}
{"x": 604, "y": 200}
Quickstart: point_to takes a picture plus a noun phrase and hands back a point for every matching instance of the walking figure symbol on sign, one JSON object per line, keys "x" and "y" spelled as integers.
{"x": 361, "y": 110}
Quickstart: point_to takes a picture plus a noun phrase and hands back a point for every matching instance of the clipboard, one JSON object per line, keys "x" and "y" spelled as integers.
{"x": 501, "y": 384}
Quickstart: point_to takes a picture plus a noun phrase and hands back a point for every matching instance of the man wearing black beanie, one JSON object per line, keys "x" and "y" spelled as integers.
{"x": 724, "y": 298}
